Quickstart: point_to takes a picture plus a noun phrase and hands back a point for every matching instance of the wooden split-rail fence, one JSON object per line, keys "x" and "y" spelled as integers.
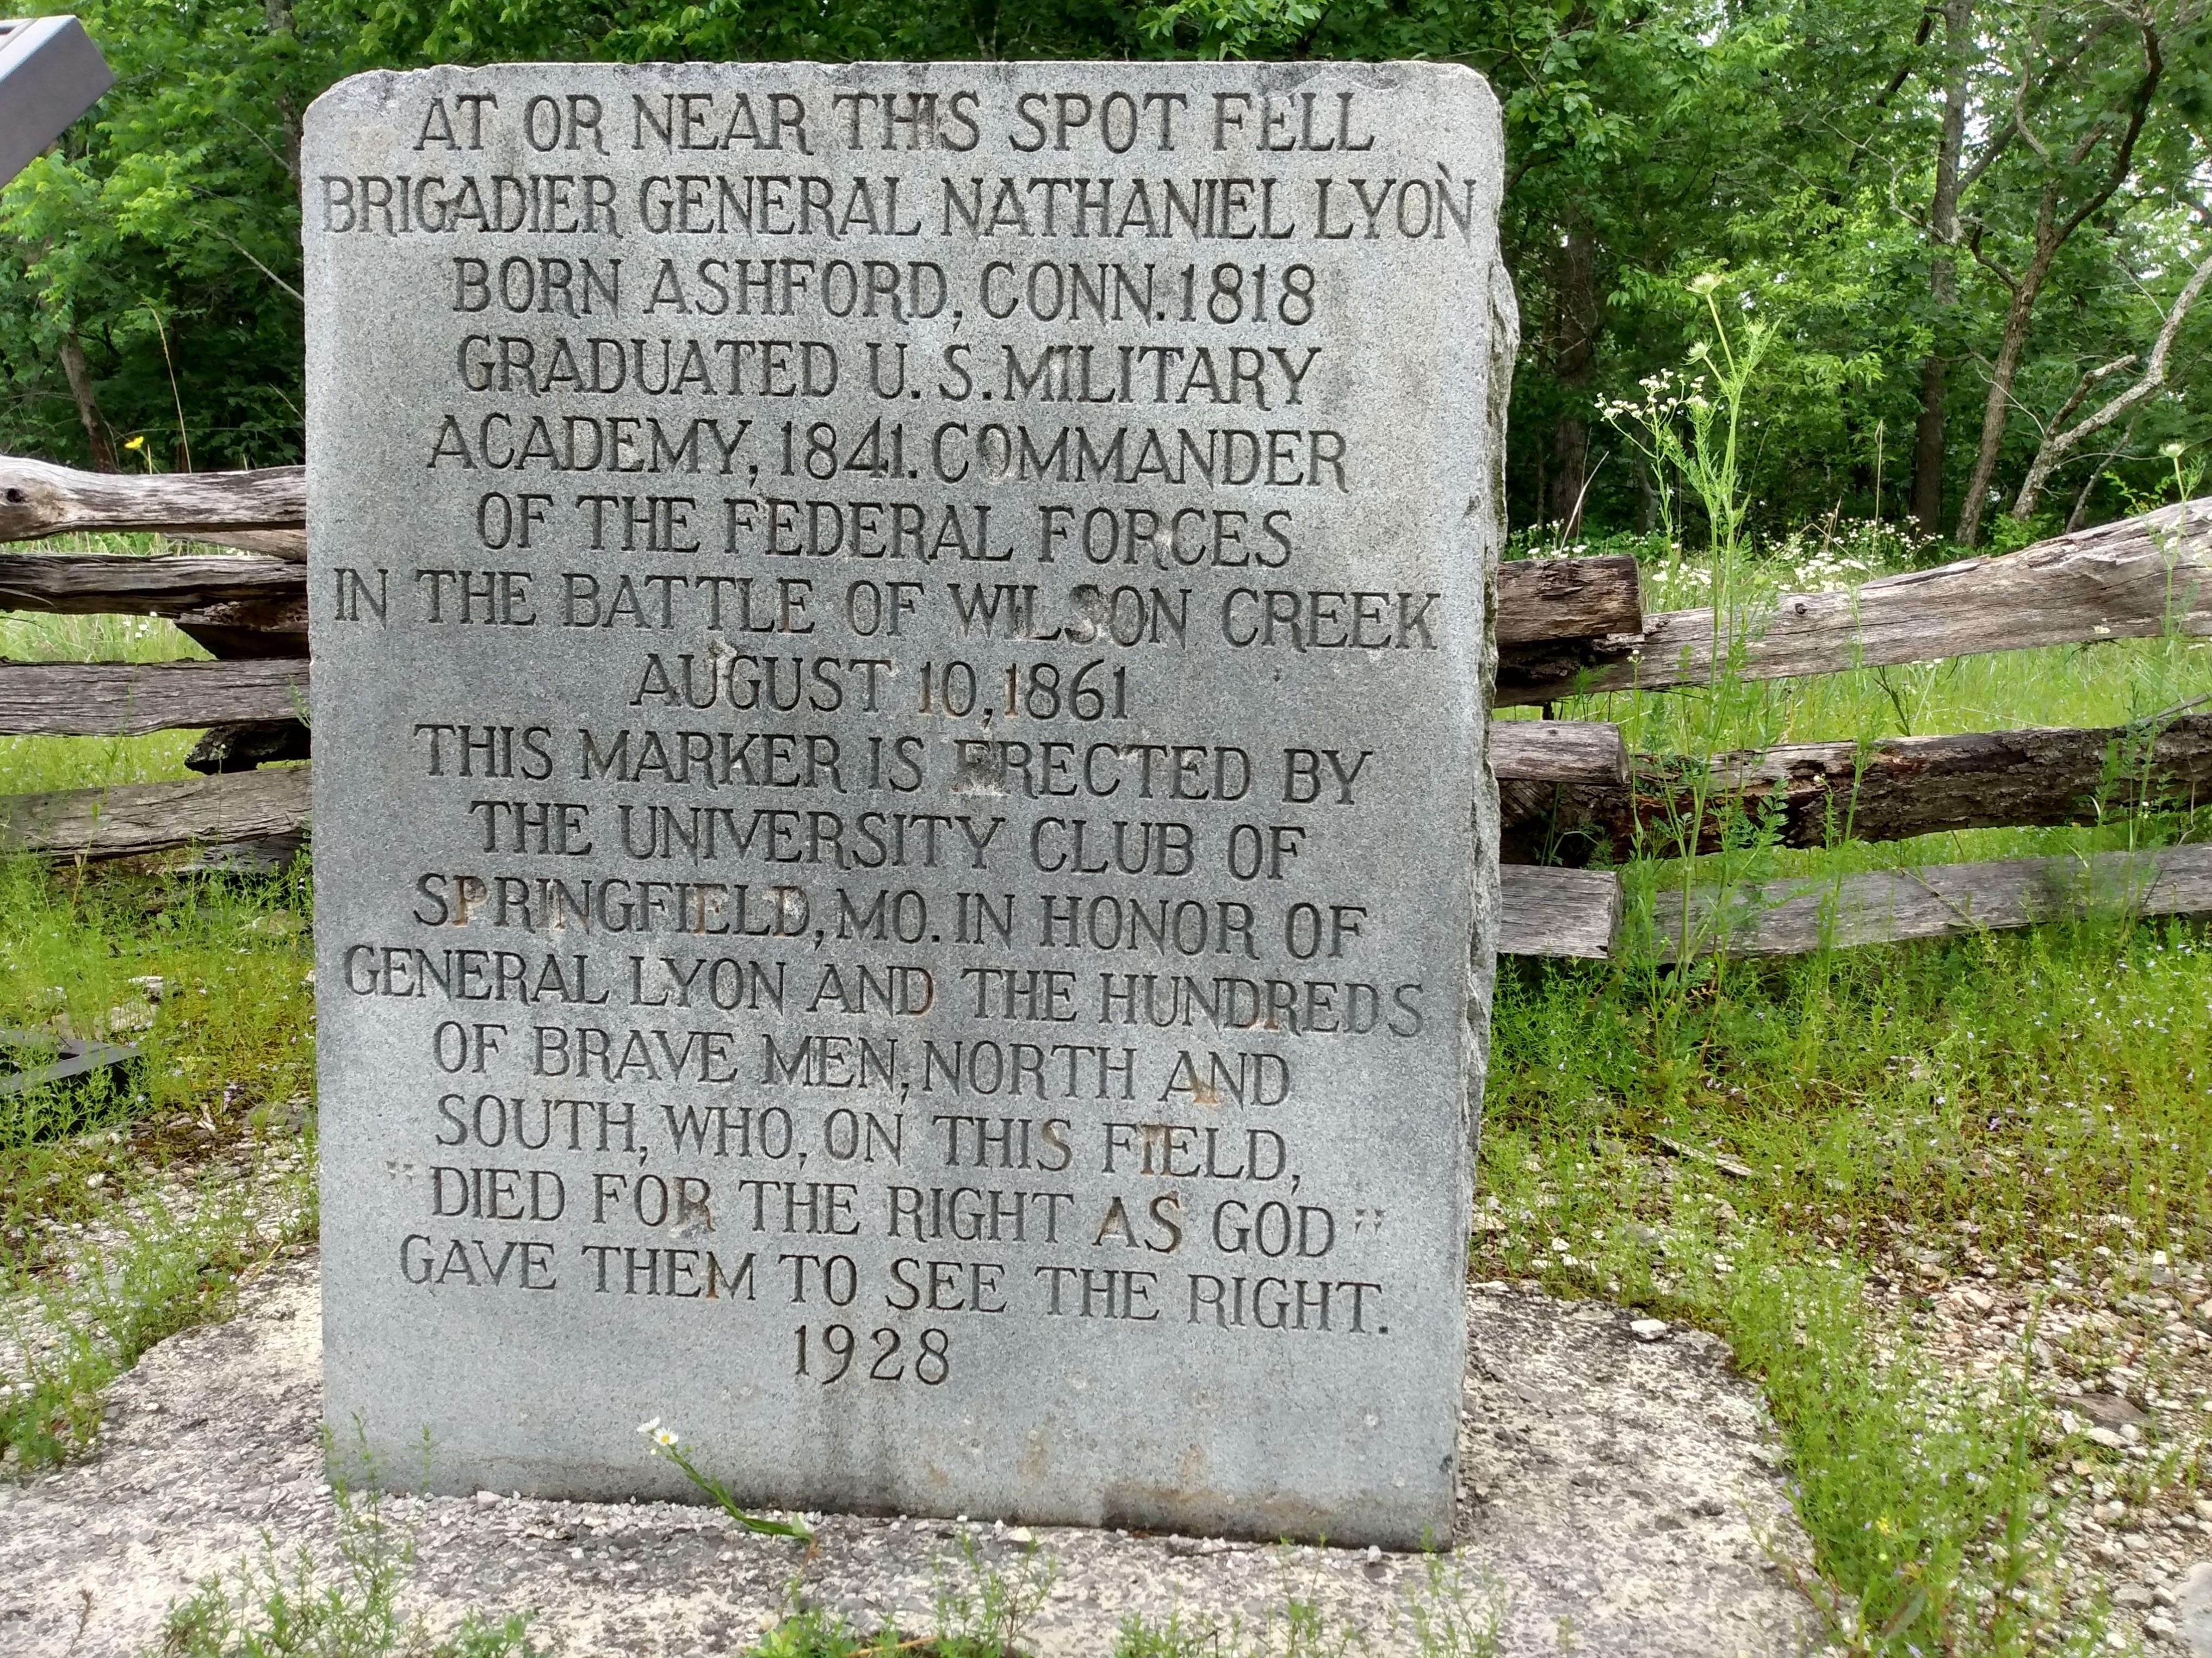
{"x": 1565, "y": 626}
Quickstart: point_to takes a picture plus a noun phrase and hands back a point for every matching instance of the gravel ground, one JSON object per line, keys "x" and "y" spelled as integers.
{"x": 1619, "y": 1489}
{"x": 2122, "y": 1348}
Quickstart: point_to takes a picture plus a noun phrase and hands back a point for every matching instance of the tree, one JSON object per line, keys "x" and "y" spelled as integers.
{"x": 2061, "y": 439}
{"x": 1928, "y": 446}
{"x": 2076, "y": 90}
{"x": 156, "y": 254}
{"x": 1871, "y": 177}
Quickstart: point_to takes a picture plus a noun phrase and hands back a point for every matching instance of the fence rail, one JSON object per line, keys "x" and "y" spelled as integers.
{"x": 118, "y": 584}
{"x": 135, "y": 699}
{"x": 135, "y": 819}
{"x": 1810, "y": 794}
{"x": 1570, "y": 790}
{"x": 2130, "y": 580}
{"x": 38, "y": 500}
{"x": 1944, "y": 901}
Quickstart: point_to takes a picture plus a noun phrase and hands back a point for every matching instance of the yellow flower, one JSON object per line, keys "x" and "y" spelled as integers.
{"x": 134, "y": 443}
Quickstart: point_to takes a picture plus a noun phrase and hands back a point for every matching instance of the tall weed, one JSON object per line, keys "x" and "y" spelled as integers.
{"x": 298, "y": 1605}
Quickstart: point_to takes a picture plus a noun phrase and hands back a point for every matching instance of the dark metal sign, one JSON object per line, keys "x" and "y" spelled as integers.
{"x": 50, "y": 74}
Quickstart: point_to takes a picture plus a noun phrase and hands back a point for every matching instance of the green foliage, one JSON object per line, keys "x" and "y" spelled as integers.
{"x": 2044, "y": 1093}
{"x": 1451, "y": 1612}
{"x": 981, "y": 1611}
{"x": 163, "y": 235}
{"x": 172, "y": 1262}
{"x": 209, "y": 979}
{"x": 1746, "y": 1144}
{"x": 1868, "y": 1096}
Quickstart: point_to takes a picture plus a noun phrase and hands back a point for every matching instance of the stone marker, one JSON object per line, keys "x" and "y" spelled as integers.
{"x": 906, "y": 872}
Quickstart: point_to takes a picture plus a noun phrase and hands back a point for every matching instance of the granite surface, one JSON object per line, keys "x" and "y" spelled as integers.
{"x": 905, "y": 871}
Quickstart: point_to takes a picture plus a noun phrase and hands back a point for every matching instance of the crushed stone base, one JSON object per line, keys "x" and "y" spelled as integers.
{"x": 1619, "y": 1496}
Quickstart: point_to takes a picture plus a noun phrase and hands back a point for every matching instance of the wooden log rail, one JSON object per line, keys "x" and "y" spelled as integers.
{"x": 38, "y": 500}
{"x": 1946, "y": 900}
{"x": 119, "y": 584}
{"x": 136, "y": 819}
{"x": 1547, "y": 610}
{"x": 134, "y": 699}
{"x": 233, "y": 605}
{"x": 1812, "y": 794}
{"x": 1565, "y": 626}
{"x": 1546, "y": 911}
{"x": 1554, "y": 615}
{"x": 1573, "y": 912}
{"x": 1538, "y": 754}
{"x": 2130, "y": 580}
{"x": 1540, "y": 601}
{"x": 1577, "y": 912}
{"x": 131, "y": 699}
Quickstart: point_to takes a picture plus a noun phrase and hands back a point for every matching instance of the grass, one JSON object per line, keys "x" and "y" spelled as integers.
{"x": 160, "y": 1263}
{"x": 1750, "y": 1146}
{"x": 227, "y": 1050}
{"x": 131, "y": 1202}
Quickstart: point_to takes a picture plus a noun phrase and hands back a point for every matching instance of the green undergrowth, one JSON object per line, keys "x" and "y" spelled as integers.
{"x": 2046, "y": 1086}
{"x": 343, "y": 1603}
{"x": 208, "y": 976}
{"x": 984, "y": 1611}
{"x": 1748, "y": 1150}
{"x": 1754, "y": 1146}
{"x": 162, "y": 1262}
{"x": 133, "y": 1199}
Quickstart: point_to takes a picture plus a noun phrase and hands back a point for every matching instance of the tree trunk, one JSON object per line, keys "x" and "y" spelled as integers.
{"x": 1927, "y": 444}
{"x": 2061, "y": 439}
{"x": 1570, "y": 471}
{"x": 2076, "y": 518}
{"x": 1928, "y": 449}
{"x": 87, "y": 403}
{"x": 1998, "y": 406}
{"x": 1576, "y": 287}
{"x": 1543, "y": 474}
{"x": 279, "y": 16}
